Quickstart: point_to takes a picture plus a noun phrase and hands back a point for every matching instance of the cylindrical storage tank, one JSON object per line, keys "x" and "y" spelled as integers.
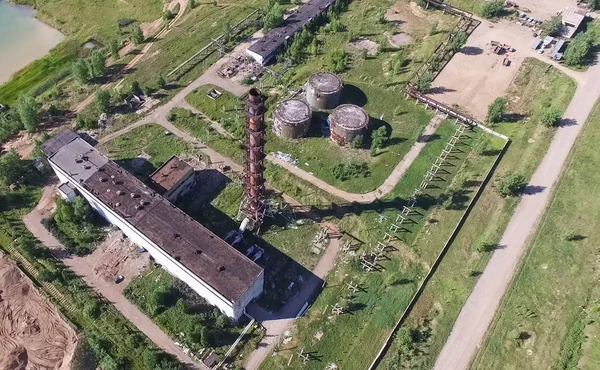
{"x": 324, "y": 90}
{"x": 291, "y": 119}
{"x": 347, "y": 122}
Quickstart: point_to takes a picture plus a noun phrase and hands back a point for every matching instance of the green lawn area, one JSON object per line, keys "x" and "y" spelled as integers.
{"x": 96, "y": 19}
{"x": 542, "y": 320}
{"x": 433, "y": 317}
{"x": 194, "y": 30}
{"x": 145, "y": 149}
{"x": 80, "y": 21}
{"x": 352, "y": 340}
{"x": 368, "y": 82}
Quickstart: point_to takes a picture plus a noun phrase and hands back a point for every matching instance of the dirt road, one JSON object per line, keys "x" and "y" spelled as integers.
{"x": 32, "y": 334}
{"x": 276, "y": 328}
{"x": 182, "y": 6}
{"x": 107, "y": 289}
{"x": 477, "y": 313}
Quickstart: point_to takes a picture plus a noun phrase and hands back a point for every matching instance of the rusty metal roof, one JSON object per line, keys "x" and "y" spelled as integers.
{"x": 169, "y": 175}
{"x": 195, "y": 247}
{"x": 273, "y": 40}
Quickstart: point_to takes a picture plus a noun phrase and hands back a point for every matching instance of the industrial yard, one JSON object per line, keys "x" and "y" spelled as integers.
{"x": 316, "y": 185}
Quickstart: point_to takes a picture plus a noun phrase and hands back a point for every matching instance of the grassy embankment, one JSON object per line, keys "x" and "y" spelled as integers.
{"x": 549, "y": 317}
{"x": 433, "y": 317}
{"x": 79, "y": 21}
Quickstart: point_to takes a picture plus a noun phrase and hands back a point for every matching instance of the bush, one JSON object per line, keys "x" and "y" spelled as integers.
{"x": 424, "y": 82}
{"x": 551, "y": 116}
{"x": 511, "y": 185}
{"x": 357, "y": 142}
{"x": 348, "y": 171}
{"x": 171, "y": 116}
{"x": 493, "y": 8}
{"x": 497, "y": 110}
{"x": 553, "y": 26}
{"x": 379, "y": 139}
{"x": 458, "y": 41}
{"x": 77, "y": 224}
{"x": 338, "y": 61}
{"x": 578, "y": 49}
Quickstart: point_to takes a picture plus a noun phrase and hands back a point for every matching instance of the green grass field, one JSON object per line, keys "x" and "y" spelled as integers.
{"x": 545, "y": 319}
{"x": 434, "y": 315}
{"x": 196, "y": 29}
{"x": 554, "y": 296}
{"x": 352, "y": 340}
{"x": 148, "y": 142}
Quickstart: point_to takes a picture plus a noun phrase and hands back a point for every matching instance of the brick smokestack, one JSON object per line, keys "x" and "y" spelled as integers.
{"x": 254, "y": 179}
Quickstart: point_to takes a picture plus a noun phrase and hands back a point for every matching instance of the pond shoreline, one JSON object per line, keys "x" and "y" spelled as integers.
{"x": 23, "y": 38}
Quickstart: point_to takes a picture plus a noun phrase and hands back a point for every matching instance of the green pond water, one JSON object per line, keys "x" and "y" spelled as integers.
{"x": 23, "y": 38}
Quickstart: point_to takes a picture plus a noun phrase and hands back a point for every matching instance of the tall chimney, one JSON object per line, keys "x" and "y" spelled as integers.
{"x": 254, "y": 180}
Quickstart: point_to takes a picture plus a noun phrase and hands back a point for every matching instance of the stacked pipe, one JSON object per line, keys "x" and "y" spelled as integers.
{"x": 254, "y": 181}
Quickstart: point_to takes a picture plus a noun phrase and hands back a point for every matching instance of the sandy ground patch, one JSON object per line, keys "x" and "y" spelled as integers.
{"x": 475, "y": 76}
{"x": 364, "y": 44}
{"x": 545, "y": 9}
{"x": 400, "y": 39}
{"x": 32, "y": 334}
{"x": 116, "y": 255}
{"x": 23, "y": 144}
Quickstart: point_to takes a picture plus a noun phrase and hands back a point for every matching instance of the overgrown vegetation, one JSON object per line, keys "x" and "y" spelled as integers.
{"x": 497, "y": 110}
{"x": 492, "y": 8}
{"x": 180, "y": 311}
{"x": 76, "y": 225}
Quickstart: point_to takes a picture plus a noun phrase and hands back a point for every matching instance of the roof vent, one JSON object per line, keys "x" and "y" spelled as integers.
{"x": 112, "y": 177}
{"x": 177, "y": 258}
{"x": 85, "y": 157}
{"x": 139, "y": 207}
{"x": 108, "y": 190}
{"x": 117, "y": 204}
{"x": 198, "y": 252}
{"x": 176, "y": 236}
{"x": 78, "y": 160}
{"x": 133, "y": 195}
{"x": 102, "y": 179}
{"x": 87, "y": 167}
{"x": 221, "y": 268}
{"x": 164, "y": 175}
{"x": 119, "y": 192}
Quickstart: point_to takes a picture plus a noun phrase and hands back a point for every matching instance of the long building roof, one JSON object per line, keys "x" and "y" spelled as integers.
{"x": 195, "y": 247}
{"x": 273, "y": 40}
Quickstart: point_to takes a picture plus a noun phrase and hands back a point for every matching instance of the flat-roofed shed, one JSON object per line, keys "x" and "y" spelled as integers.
{"x": 170, "y": 174}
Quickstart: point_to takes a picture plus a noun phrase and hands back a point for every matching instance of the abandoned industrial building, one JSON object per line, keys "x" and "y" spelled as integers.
{"x": 267, "y": 48}
{"x": 218, "y": 272}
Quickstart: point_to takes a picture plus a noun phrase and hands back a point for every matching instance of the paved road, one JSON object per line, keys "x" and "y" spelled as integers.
{"x": 80, "y": 267}
{"x": 477, "y": 313}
